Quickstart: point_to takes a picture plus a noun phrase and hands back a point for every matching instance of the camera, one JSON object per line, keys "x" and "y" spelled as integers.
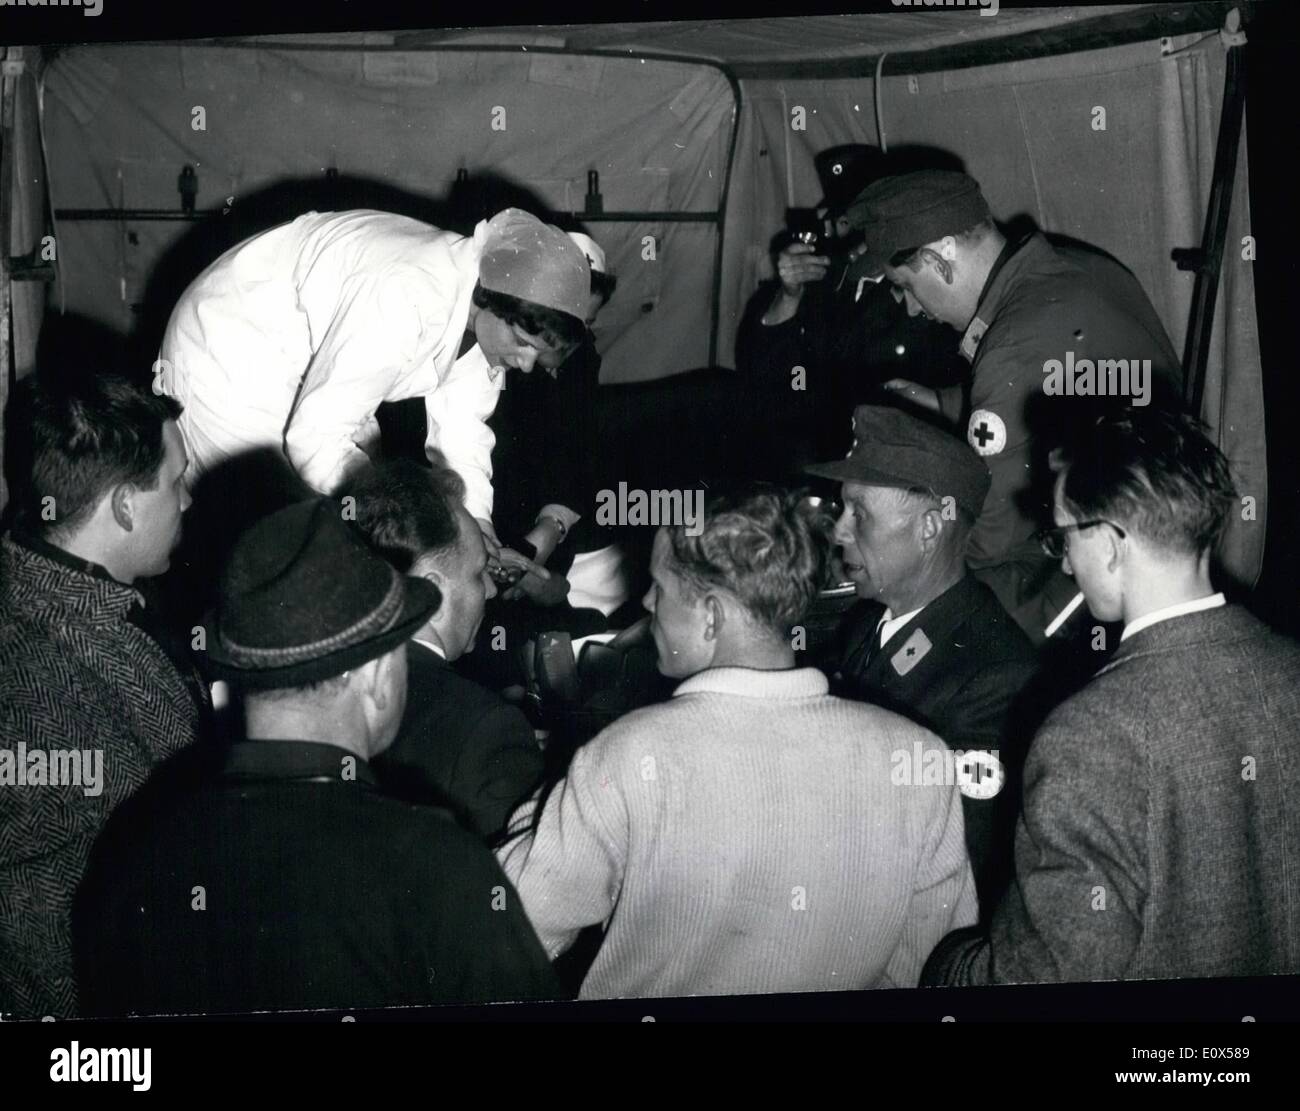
{"x": 805, "y": 226}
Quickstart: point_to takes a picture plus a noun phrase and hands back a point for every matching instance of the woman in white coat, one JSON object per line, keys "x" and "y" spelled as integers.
{"x": 293, "y": 338}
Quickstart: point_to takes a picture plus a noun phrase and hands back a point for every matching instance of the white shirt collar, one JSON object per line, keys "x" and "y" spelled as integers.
{"x": 431, "y": 646}
{"x": 888, "y": 624}
{"x": 1209, "y": 602}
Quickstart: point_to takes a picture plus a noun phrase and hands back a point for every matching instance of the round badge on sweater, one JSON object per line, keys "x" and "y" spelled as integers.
{"x": 986, "y": 432}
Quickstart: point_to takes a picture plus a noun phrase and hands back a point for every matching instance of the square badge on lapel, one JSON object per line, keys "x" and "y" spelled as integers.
{"x": 912, "y": 652}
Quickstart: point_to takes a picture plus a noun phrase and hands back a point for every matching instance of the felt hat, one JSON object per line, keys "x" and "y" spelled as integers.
{"x": 304, "y": 598}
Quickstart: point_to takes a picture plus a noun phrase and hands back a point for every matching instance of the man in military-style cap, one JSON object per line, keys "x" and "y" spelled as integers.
{"x": 928, "y": 640}
{"x": 822, "y": 314}
{"x": 1022, "y": 306}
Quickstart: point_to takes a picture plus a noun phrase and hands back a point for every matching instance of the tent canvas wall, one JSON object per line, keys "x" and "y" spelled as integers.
{"x": 702, "y": 134}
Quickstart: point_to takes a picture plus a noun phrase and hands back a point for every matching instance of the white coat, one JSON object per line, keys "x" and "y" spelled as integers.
{"x": 293, "y": 338}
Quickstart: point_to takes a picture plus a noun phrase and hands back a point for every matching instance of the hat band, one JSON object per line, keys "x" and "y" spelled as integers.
{"x": 379, "y": 620}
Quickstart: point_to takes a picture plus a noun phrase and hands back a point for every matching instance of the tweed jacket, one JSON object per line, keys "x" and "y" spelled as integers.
{"x": 1160, "y": 830}
{"x": 76, "y": 675}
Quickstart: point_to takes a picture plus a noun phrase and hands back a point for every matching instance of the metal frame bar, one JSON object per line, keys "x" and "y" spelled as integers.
{"x": 1208, "y": 259}
{"x": 8, "y": 95}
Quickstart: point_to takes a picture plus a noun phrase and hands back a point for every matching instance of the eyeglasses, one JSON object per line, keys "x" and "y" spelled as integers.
{"x": 1053, "y": 540}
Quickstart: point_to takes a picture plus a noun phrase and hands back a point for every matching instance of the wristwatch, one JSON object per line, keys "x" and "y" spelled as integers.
{"x": 558, "y": 524}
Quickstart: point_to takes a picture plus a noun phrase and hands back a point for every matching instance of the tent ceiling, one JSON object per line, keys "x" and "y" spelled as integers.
{"x": 825, "y": 44}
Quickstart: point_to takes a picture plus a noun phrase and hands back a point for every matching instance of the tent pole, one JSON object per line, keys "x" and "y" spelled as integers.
{"x": 1207, "y": 261}
{"x": 716, "y": 300}
{"x": 11, "y": 67}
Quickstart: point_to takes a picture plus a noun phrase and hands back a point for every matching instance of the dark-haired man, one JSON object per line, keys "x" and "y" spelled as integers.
{"x": 1158, "y": 837}
{"x": 287, "y": 878}
{"x": 293, "y": 338}
{"x": 1030, "y": 313}
{"x": 89, "y": 700}
{"x": 745, "y": 836}
{"x": 457, "y": 741}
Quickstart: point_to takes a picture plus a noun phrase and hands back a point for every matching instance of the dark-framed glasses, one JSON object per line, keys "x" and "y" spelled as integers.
{"x": 1053, "y": 540}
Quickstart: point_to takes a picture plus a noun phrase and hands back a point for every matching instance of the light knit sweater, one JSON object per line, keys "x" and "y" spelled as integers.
{"x": 746, "y": 837}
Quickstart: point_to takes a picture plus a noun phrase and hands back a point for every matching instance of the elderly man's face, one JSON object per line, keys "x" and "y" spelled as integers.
{"x": 879, "y": 534}
{"x": 678, "y": 617}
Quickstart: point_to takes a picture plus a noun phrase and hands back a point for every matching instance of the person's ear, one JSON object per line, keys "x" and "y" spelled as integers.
{"x": 434, "y": 575}
{"x": 942, "y": 258}
{"x": 931, "y": 523}
{"x": 1117, "y": 550}
{"x": 371, "y": 681}
{"x": 122, "y": 500}
{"x": 715, "y": 617}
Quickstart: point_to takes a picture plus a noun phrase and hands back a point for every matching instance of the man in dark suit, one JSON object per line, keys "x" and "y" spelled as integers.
{"x": 459, "y": 743}
{"x": 1158, "y": 837}
{"x": 287, "y": 878}
{"x": 929, "y": 641}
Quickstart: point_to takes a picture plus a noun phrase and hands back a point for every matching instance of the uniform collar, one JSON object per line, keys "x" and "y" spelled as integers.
{"x": 888, "y": 624}
{"x": 295, "y": 760}
{"x": 940, "y": 614}
{"x": 751, "y": 682}
{"x": 990, "y": 298}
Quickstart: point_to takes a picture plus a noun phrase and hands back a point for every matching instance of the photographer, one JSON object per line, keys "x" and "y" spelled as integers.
{"x": 848, "y": 332}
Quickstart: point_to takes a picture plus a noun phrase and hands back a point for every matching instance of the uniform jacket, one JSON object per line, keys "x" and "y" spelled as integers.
{"x": 287, "y": 880}
{"x": 1159, "y": 837}
{"x": 294, "y": 337}
{"x": 76, "y": 673}
{"x": 963, "y": 669}
{"x": 460, "y": 745}
{"x": 1043, "y": 302}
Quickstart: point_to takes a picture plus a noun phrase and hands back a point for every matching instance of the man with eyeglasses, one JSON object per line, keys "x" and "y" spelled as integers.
{"x": 1024, "y": 306}
{"x": 929, "y": 640}
{"x": 1157, "y": 837}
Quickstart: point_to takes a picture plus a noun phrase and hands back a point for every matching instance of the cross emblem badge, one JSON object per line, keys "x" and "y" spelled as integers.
{"x": 912, "y": 652}
{"x": 986, "y": 432}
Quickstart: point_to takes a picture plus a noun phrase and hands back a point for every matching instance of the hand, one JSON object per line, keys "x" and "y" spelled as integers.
{"x": 923, "y": 396}
{"x": 548, "y": 591}
{"x": 798, "y": 265}
{"x": 516, "y": 564}
{"x": 490, "y": 541}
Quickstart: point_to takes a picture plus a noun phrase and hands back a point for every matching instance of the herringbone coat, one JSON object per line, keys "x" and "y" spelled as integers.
{"x": 75, "y": 673}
